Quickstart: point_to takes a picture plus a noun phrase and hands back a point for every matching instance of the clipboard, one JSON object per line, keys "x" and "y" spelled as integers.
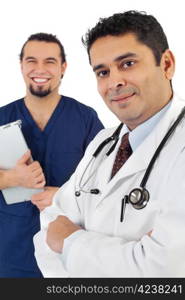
{"x": 12, "y": 147}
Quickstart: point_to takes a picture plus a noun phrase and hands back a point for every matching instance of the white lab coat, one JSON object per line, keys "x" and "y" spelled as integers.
{"x": 107, "y": 247}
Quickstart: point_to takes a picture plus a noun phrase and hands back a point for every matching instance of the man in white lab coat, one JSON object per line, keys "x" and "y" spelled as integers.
{"x": 93, "y": 232}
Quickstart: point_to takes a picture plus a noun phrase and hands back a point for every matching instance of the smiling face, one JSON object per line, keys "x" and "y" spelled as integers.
{"x": 42, "y": 68}
{"x": 128, "y": 79}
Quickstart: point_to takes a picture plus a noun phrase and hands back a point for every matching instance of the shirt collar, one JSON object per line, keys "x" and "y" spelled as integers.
{"x": 137, "y": 135}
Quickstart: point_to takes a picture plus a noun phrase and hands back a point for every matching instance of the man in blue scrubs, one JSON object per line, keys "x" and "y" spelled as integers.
{"x": 57, "y": 130}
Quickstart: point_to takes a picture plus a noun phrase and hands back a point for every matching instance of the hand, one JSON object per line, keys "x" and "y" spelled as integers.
{"x": 27, "y": 174}
{"x": 44, "y": 199}
{"x": 58, "y": 230}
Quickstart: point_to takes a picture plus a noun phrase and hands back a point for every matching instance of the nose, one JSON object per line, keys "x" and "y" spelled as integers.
{"x": 116, "y": 80}
{"x": 40, "y": 68}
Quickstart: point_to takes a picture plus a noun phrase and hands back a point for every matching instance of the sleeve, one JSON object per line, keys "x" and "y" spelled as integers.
{"x": 161, "y": 254}
{"x": 93, "y": 125}
{"x": 50, "y": 262}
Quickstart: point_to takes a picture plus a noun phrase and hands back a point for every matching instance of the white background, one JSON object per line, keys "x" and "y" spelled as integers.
{"x": 69, "y": 20}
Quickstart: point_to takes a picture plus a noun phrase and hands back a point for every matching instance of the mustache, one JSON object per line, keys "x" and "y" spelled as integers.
{"x": 123, "y": 91}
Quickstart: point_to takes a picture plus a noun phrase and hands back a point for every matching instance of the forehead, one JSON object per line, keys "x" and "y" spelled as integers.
{"x": 106, "y": 49}
{"x": 41, "y": 49}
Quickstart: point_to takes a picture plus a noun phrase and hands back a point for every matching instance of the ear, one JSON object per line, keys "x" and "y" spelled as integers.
{"x": 168, "y": 64}
{"x": 63, "y": 69}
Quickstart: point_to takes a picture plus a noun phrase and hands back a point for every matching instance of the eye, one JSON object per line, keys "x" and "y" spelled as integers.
{"x": 102, "y": 73}
{"x": 128, "y": 64}
{"x": 50, "y": 62}
{"x": 31, "y": 61}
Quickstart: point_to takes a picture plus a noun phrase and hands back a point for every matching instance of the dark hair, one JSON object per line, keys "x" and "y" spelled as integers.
{"x": 44, "y": 37}
{"x": 145, "y": 27}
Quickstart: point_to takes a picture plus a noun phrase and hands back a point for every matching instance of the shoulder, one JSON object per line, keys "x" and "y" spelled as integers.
{"x": 105, "y": 133}
{"x": 7, "y": 110}
{"x": 101, "y": 136}
{"x": 10, "y": 105}
{"x": 78, "y": 106}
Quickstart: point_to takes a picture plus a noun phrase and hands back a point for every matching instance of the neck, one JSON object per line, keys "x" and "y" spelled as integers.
{"x": 41, "y": 109}
{"x": 42, "y": 103}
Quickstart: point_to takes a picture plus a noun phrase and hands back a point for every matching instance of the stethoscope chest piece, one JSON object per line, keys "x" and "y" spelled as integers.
{"x": 139, "y": 197}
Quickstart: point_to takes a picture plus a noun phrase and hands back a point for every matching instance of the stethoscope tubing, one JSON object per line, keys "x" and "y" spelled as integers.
{"x": 160, "y": 147}
{"x": 115, "y": 137}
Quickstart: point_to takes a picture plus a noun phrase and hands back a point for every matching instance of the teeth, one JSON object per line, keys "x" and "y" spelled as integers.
{"x": 40, "y": 80}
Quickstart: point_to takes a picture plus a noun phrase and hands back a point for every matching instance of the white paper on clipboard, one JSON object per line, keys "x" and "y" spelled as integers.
{"x": 12, "y": 147}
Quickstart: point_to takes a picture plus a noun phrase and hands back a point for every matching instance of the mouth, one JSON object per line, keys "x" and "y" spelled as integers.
{"x": 122, "y": 98}
{"x": 40, "y": 80}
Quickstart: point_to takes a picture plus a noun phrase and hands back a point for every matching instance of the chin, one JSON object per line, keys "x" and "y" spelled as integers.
{"x": 40, "y": 93}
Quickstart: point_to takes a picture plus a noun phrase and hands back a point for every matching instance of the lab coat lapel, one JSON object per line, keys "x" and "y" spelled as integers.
{"x": 141, "y": 157}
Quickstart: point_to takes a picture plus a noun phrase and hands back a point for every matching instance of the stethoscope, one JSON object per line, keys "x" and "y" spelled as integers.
{"x": 140, "y": 196}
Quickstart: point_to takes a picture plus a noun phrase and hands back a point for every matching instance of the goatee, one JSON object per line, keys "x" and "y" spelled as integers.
{"x": 39, "y": 93}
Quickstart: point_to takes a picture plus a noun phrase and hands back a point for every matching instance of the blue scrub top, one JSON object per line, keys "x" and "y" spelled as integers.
{"x": 58, "y": 148}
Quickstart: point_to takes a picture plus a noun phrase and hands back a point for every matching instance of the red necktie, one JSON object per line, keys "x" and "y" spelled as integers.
{"x": 122, "y": 155}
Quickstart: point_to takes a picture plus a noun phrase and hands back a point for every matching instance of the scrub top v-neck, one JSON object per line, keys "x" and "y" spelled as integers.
{"x": 40, "y": 137}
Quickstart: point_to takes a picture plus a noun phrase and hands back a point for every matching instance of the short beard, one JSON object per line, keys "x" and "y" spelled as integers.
{"x": 39, "y": 93}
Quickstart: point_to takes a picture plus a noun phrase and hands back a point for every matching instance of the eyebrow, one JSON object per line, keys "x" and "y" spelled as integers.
{"x": 117, "y": 59}
{"x": 47, "y": 58}
{"x": 126, "y": 55}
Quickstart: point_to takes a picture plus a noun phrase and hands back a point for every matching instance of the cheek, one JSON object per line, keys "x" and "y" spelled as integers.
{"x": 150, "y": 85}
{"x": 27, "y": 71}
{"x": 57, "y": 74}
{"x": 25, "y": 75}
{"x": 24, "y": 70}
{"x": 143, "y": 84}
{"x": 101, "y": 88}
